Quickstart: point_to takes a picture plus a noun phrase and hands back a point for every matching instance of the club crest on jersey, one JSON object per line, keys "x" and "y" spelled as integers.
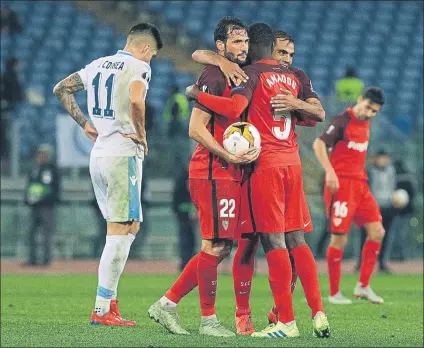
{"x": 337, "y": 221}
{"x": 204, "y": 88}
{"x": 361, "y": 147}
{"x": 225, "y": 224}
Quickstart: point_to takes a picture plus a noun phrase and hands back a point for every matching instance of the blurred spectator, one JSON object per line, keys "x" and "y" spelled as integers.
{"x": 382, "y": 181}
{"x": 11, "y": 94}
{"x": 176, "y": 112}
{"x": 9, "y": 21}
{"x": 405, "y": 181}
{"x": 350, "y": 87}
{"x": 42, "y": 195}
{"x": 186, "y": 215}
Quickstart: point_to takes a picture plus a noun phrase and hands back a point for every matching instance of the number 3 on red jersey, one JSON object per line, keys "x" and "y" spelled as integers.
{"x": 285, "y": 132}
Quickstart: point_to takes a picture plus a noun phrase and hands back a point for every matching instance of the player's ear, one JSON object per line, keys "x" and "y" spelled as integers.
{"x": 145, "y": 49}
{"x": 220, "y": 45}
{"x": 360, "y": 98}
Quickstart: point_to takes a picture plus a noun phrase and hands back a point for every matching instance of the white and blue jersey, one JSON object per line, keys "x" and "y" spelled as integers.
{"x": 116, "y": 162}
{"x": 107, "y": 81}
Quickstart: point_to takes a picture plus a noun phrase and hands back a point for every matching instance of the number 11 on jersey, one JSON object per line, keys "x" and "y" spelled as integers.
{"x": 97, "y": 111}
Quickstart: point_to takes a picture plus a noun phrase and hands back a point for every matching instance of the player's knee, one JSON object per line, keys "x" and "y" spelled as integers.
{"x": 271, "y": 241}
{"x": 224, "y": 249}
{"x": 225, "y": 252}
{"x": 338, "y": 241}
{"x": 135, "y": 227}
{"x": 220, "y": 248}
{"x": 377, "y": 233}
{"x": 295, "y": 239}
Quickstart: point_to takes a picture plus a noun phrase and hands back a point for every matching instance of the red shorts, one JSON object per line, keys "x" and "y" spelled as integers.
{"x": 272, "y": 200}
{"x": 217, "y": 203}
{"x": 353, "y": 201}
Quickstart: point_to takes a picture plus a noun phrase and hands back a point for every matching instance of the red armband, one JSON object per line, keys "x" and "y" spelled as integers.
{"x": 228, "y": 107}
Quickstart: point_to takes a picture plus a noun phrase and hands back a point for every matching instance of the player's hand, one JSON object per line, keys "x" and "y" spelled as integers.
{"x": 138, "y": 140}
{"x": 192, "y": 92}
{"x": 285, "y": 101}
{"x": 232, "y": 72}
{"x": 332, "y": 181}
{"x": 90, "y": 132}
{"x": 244, "y": 157}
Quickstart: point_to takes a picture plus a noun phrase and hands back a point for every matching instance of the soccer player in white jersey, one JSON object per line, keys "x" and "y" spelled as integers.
{"x": 116, "y": 90}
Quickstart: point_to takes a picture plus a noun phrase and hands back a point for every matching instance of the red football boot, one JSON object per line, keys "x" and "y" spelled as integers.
{"x": 109, "y": 319}
{"x": 244, "y": 325}
{"x": 114, "y": 309}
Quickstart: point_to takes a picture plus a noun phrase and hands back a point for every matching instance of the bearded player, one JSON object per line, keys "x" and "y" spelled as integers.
{"x": 215, "y": 191}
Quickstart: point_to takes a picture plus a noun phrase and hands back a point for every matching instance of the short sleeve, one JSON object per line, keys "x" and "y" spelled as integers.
{"x": 246, "y": 89}
{"x": 334, "y": 132}
{"x": 307, "y": 91}
{"x": 143, "y": 74}
{"x": 211, "y": 81}
{"x": 83, "y": 75}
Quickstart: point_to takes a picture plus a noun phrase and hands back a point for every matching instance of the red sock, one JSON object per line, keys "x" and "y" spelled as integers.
{"x": 369, "y": 258}
{"x": 243, "y": 269}
{"x": 207, "y": 275}
{"x": 186, "y": 282}
{"x": 308, "y": 274}
{"x": 279, "y": 279}
{"x": 334, "y": 262}
{"x": 294, "y": 274}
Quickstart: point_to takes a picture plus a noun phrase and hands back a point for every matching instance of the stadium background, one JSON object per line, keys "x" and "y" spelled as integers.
{"x": 382, "y": 39}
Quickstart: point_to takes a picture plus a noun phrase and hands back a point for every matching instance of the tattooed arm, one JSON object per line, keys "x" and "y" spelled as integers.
{"x": 64, "y": 91}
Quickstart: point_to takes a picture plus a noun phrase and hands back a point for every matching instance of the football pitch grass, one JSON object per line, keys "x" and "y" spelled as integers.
{"x": 54, "y": 310}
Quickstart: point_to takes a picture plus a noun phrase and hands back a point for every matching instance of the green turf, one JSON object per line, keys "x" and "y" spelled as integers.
{"x": 40, "y": 310}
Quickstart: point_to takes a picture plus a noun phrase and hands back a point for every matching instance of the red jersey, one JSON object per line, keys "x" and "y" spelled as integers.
{"x": 204, "y": 164}
{"x": 348, "y": 138}
{"x": 278, "y": 137}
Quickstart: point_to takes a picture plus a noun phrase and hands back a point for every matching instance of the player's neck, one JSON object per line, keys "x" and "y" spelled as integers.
{"x": 129, "y": 49}
{"x": 257, "y": 53}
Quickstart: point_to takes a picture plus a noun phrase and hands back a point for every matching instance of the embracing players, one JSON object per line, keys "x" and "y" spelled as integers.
{"x": 278, "y": 222}
{"x": 305, "y": 111}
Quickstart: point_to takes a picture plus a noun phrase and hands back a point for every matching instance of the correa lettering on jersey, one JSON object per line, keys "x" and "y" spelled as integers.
{"x": 275, "y": 78}
{"x": 361, "y": 147}
{"x": 113, "y": 65}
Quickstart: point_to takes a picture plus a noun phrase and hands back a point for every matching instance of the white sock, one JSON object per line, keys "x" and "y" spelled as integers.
{"x": 209, "y": 317}
{"x": 112, "y": 262}
{"x": 167, "y": 303}
{"x": 131, "y": 238}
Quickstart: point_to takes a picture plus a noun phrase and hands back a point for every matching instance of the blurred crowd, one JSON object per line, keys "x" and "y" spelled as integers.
{"x": 42, "y": 193}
